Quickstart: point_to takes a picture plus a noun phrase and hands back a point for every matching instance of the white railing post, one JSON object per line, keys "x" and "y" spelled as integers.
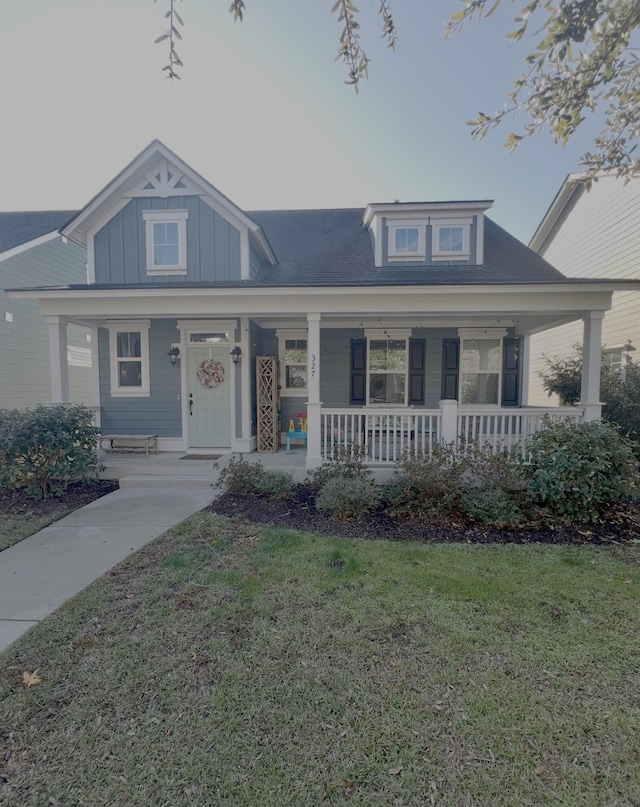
{"x": 449, "y": 421}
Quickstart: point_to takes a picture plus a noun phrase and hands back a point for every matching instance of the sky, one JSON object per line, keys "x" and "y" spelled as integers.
{"x": 262, "y": 110}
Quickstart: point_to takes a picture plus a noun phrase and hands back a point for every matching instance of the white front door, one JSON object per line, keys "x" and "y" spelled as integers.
{"x": 209, "y": 396}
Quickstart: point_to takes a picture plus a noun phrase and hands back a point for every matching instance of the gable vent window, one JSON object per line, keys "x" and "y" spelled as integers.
{"x": 166, "y": 241}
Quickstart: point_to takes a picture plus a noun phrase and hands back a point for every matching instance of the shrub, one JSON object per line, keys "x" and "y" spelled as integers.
{"x": 619, "y": 393}
{"x": 346, "y": 463}
{"x": 425, "y": 485}
{"x": 501, "y": 470}
{"x": 275, "y": 483}
{"x": 348, "y": 497}
{"x": 494, "y": 507}
{"x": 45, "y": 449}
{"x": 241, "y": 477}
{"x": 576, "y": 469}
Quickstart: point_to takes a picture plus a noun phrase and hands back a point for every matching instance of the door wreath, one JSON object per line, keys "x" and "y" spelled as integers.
{"x": 210, "y": 373}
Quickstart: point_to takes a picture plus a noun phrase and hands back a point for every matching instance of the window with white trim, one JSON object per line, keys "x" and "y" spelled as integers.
{"x": 387, "y": 371}
{"x": 129, "y": 359}
{"x": 293, "y": 355}
{"x": 451, "y": 239}
{"x": 407, "y": 239}
{"x": 166, "y": 241}
{"x": 480, "y": 369}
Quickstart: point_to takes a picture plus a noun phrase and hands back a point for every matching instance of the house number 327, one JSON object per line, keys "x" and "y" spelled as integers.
{"x": 313, "y": 365}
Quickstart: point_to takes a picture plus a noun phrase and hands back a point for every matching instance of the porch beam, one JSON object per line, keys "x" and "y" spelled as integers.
{"x": 58, "y": 361}
{"x": 314, "y": 404}
{"x": 591, "y": 365}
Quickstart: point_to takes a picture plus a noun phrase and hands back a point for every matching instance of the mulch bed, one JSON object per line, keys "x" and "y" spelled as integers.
{"x": 17, "y": 502}
{"x": 621, "y": 523}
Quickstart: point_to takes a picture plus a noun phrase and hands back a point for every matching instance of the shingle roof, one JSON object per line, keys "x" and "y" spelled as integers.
{"x": 331, "y": 247}
{"x": 19, "y": 228}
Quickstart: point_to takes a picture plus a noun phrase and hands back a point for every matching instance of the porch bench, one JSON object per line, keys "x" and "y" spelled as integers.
{"x": 130, "y": 443}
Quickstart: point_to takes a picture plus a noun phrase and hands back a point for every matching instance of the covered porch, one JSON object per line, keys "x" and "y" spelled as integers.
{"x": 393, "y": 369}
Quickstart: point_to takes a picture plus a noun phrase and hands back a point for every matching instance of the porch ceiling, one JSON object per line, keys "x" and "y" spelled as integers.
{"x": 534, "y": 306}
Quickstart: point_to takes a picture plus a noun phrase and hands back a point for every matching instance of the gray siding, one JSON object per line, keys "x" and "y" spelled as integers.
{"x": 161, "y": 412}
{"x": 24, "y": 358}
{"x": 597, "y": 235}
{"x": 213, "y": 245}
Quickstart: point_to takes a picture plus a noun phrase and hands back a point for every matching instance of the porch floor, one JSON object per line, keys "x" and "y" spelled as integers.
{"x": 167, "y": 469}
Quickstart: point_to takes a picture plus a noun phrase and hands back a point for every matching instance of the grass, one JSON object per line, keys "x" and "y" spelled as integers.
{"x": 15, "y": 527}
{"x": 278, "y": 668}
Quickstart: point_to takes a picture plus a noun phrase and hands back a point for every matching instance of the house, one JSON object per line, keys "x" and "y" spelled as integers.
{"x": 32, "y": 252}
{"x": 394, "y": 326}
{"x": 592, "y": 233}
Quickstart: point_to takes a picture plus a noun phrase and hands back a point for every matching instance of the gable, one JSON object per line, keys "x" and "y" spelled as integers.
{"x": 212, "y": 244}
{"x": 159, "y": 174}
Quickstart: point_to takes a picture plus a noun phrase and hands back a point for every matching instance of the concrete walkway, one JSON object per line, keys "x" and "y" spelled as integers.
{"x": 41, "y": 572}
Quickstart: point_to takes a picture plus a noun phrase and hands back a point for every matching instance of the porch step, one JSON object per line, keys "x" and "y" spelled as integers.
{"x": 167, "y": 481}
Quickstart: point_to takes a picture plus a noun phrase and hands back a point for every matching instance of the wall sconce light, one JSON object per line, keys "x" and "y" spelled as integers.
{"x": 173, "y": 355}
{"x": 235, "y": 355}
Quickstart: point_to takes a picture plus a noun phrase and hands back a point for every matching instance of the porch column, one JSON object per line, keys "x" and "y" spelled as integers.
{"x": 525, "y": 365}
{"x": 314, "y": 404}
{"x": 591, "y": 360}
{"x": 58, "y": 363}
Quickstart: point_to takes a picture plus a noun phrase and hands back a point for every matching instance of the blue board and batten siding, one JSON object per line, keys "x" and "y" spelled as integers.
{"x": 161, "y": 412}
{"x": 213, "y": 245}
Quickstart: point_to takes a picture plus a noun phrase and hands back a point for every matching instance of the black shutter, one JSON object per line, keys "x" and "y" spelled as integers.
{"x": 511, "y": 372}
{"x": 450, "y": 368}
{"x": 358, "y": 384}
{"x": 416, "y": 372}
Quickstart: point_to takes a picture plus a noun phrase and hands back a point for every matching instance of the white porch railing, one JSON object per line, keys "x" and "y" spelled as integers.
{"x": 386, "y": 434}
{"x": 509, "y": 429}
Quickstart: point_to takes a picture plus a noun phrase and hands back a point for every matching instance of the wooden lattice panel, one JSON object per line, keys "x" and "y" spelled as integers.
{"x": 267, "y": 395}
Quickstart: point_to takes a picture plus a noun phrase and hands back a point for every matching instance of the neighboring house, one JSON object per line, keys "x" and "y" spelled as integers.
{"x": 395, "y": 326}
{"x": 32, "y": 252}
{"x": 593, "y": 233}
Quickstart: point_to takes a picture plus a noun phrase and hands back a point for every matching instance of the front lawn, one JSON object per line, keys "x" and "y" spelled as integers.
{"x": 234, "y": 664}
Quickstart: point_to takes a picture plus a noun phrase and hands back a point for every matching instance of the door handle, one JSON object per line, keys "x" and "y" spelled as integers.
{"x": 191, "y": 404}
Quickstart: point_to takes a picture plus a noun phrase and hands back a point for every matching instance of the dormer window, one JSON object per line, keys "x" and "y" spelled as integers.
{"x": 406, "y": 240}
{"x": 166, "y": 241}
{"x": 451, "y": 240}
{"x": 428, "y": 233}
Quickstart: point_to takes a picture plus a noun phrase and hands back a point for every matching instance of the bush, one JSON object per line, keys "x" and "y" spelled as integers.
{"x": 346, "y": 463}
{"x": 492, "y": 487}
{"x": 426, "y": 485}
{"x": 241, "y": 477}
{"x": 577, "y": 468}
{"x": 494, "y": 507}
{"x": 348, "y": 497}
{"x": 620, "y": 394}
{"x": 275, "y": 483}
{"x": 45, "y": 449}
